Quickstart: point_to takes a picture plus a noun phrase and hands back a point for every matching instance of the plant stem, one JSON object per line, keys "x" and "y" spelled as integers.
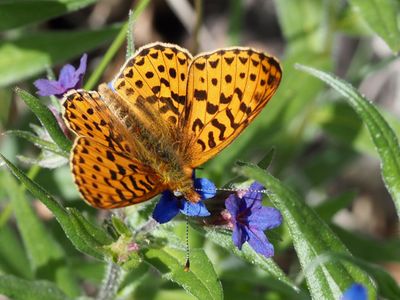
{"x": 115, "y": 46}
{"x": 111, "y": 282}
{"x": 198, "y": 5}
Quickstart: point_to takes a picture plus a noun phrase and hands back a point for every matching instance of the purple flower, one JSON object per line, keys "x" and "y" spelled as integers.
{"x": 170, "y": 205}
{"x": 70, "y": 78}
{"x": 249, "y": 219}
{"x": 355, "y": 292}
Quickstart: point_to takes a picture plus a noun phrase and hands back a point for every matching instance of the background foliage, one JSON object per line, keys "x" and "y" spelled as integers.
{"x": 334, "y": 171}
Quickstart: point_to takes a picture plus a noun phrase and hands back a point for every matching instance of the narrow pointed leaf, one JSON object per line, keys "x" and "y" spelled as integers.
{"x": 201, "y": 281}
{"x": 311, "y": 238}
{"x": 73, "y": 229}
{"x": 19, "y": 12}
{"x": 224, "y": 239}
{"x": 98, "y": 234}
{"x": 382, "y": 135}
{"x": 382, "y": 17}
{"x": 41, "y": 247}
{"x": 21, "y": 289}
{"x": 47, "y": 119}
{"x": 32, "y": 53}
{"x": 386, "y": 284}
{"x": 37, "y": 141}
{"x": 13, "y": 259}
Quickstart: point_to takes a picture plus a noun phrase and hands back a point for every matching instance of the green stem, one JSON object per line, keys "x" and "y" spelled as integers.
{"x": 111, "y": 281}
{"x": 115, "y": 46}
{"x": 108, "y": 56}
{"x": 198, "y": 5}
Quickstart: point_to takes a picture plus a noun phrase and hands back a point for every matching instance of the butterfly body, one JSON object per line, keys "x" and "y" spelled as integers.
{"x": 162, "y": 116}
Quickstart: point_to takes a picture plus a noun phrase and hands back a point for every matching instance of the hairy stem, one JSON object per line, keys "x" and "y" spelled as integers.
{"x": 111, "y": 282}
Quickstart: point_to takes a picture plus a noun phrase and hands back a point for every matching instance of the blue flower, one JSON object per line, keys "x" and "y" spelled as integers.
{"x": 355, "y": 292}
{"x": 250, "y": 219}
{"x": 70, "y": 78}
{"x": 170, "y": 205}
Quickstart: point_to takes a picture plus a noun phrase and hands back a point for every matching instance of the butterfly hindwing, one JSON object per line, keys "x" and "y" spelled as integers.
{"x": 226, "y": 90}
{"x": 103, "y": 162}
{"x": 109, "y": 179}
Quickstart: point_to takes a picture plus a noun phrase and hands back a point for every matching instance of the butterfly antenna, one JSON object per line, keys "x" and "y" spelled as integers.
{"x": 187, "y": 264}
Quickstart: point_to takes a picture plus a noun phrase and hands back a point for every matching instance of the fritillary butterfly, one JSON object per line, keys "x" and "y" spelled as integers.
{"x": 163, "y": 115}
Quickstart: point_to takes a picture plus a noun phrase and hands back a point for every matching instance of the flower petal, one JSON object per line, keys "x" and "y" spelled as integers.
{"x": 253, "y": 196}
{"x": 167, "y": 208}
{"x": 194, "y": 209}
{"x": 355, "y": 292}
{"x": 71, "y": 78}
{"x": 82, "y": 65}
{"x": 67, "y": 78}
{"x": 265, "y": 218}
{"x": 259, "y": 242}
{"x": 232, "y": 204}
{"x": 48, "y": 87}
{"x": 81, "y": 70}
{"x": 239, "y": 236}
{"x": 206, "y": 188}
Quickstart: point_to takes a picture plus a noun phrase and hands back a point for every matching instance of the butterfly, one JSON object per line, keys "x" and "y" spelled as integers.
{"x": 162, "y": 116}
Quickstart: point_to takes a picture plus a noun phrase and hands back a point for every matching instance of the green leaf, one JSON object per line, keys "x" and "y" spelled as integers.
{"x": 13, "y": 259}
{"x": 83, "y": 238}
{"x": 42, "y": 247}
{"x": 237, "y": 286}
{"x": 387, "y": 286}
{"x": 382, "y": 17}
{"x": 311, "y": 238}
{"x": 37, "y": 141}
{"x": 368, "y": 248}
{"x": 248, "y": 254}
{"x": 266, "y": 161}
{"x": 201, "y": 280}
{"x": 46, "y": 118}
{"x": 307, "y": 24}
{"x": 116, "y": 44}
{"x": 20, "y": 12}
{"x": 20, "y": 289}
{"x": 381, "y": 133}
{"x": 31, "y": 54}
{"x": 94, "y": 232}
{"x": 47, "y": 258}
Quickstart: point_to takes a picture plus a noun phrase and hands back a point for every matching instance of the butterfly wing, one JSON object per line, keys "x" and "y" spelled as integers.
{"x": 103, "y": 162}
{"x": 156, "y": 75}
{"x": 226, "y": 90}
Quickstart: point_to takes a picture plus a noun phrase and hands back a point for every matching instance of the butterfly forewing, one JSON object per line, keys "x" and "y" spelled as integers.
{"x": 103, "y": 162}
{"x": 157, "y": 74}
{"x": 226, "y": 90}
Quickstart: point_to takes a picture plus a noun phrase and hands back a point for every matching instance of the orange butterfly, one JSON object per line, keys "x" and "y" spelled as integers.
{"x": 163, "y": 115}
